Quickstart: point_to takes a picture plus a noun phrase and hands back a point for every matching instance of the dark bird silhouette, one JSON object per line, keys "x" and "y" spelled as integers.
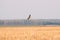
{"x": 29, "y": 17}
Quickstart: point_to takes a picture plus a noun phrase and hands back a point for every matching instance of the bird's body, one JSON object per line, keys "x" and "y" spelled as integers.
{"x": 29, "y": 17}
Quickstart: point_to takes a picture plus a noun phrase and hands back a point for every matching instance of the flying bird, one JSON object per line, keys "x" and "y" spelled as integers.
{"x": 29, "y": 17}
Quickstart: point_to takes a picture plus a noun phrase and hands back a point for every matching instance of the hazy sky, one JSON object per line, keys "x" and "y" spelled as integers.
{"x": 39, "y": 9}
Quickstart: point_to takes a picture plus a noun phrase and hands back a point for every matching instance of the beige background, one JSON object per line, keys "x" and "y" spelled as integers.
{"x": 30, "y": 33}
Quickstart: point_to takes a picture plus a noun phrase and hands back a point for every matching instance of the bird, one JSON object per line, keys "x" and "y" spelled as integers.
{"x": 29, "y": 17}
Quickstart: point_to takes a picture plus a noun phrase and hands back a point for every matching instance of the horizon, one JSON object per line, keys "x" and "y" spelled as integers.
{"x": 29, "y": 22}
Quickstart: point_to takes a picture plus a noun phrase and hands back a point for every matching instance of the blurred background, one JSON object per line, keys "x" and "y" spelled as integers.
{"x": 39, "y": 9}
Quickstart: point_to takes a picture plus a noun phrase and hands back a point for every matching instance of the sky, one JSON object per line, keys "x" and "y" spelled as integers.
{"x": 39, "y": 9}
